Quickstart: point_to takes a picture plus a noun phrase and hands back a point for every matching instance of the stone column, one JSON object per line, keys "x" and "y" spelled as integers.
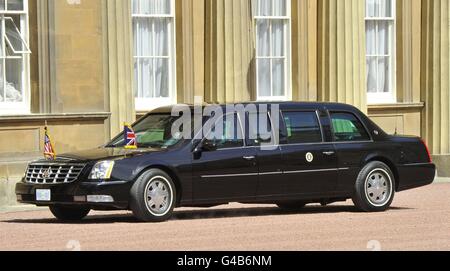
{"x": 190, "y": 35}
{"x": 229, "y": 51}
{"x": 436, "y": 74}
{"x": 341, "y": 56}
{"x": 408, "y": 28}
{"x": 304, "y": 50}
{"x": 118, "y": 63}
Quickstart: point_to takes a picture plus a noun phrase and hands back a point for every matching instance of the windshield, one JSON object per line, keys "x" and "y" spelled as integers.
{"x": 154, "y": 131}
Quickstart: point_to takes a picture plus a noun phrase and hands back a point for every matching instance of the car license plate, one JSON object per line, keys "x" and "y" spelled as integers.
{"x": 43, "y": 195}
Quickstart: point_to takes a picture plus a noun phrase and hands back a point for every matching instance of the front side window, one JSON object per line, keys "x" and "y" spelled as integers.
{"x": 154, "y": 61}
{"x": 380, "y": 50}
{"x": 346, "y": 127}
{"x": 272, "y": 49}
{"x": 227, "y": 133}
{"x": 302, "y": 127}
{"x": 14, "y": 60}
{"x": 153, "y": 131}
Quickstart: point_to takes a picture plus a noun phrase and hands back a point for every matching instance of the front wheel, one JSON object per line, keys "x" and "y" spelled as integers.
{"x": 69, "y": 213}
{"x": 374, "y": 188}
{"x": 153, "y": 196}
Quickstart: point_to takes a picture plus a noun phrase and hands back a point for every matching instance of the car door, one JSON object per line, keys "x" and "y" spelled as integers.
{"x": 226, "y": 169}
{"x": 352, "y": 143}
{"x": 268, "y": 153}
{"x": 309, "y": 162}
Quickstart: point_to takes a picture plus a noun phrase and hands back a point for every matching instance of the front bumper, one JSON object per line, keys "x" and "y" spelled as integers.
{"x": 77, "y": 193}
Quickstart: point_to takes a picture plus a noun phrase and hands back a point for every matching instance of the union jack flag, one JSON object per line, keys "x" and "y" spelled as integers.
{"x": 130, "y": 137}
{"x": 49, "y": 150}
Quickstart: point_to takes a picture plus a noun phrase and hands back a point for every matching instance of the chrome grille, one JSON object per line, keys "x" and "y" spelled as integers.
{"x": 53, "y": 173}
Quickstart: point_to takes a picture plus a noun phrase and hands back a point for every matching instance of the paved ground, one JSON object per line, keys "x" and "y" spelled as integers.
{"x": 419, "y": 220}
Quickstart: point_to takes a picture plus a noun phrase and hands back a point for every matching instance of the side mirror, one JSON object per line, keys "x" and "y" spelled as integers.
{"x": 209, "y": 146}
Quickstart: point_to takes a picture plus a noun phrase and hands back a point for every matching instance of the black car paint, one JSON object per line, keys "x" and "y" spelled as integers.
{"x": 331, "y": 175}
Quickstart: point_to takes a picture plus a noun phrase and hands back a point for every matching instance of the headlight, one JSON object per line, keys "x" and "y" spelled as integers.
{"x": 102, "y": 170}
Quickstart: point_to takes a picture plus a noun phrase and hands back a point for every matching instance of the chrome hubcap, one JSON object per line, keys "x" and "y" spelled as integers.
{"x": 379, "y": 187}
{"x": 158, "y": 196}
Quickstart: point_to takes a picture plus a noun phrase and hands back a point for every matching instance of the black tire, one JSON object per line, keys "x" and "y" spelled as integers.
{"x": 291, "y": 205}
{"x": 366, "y": 201}
{"x": 139, "y": 192}
{"x": 69, "y": 213}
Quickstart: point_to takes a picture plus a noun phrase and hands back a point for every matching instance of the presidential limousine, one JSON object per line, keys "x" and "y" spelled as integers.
{"x": 316, "y": 153}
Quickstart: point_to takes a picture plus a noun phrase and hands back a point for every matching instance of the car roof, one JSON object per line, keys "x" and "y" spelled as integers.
{"x": 282, "y": 105}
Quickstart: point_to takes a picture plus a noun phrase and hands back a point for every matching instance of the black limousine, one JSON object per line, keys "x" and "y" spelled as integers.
{"x": 323, "y": 153}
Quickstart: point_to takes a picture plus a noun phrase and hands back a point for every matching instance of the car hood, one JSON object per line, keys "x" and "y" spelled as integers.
{"x": 106, "y": 153}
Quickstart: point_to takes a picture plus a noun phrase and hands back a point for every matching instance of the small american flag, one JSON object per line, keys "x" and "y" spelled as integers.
{"x": 49, "y": 150}
{"x": 130, "y": 137}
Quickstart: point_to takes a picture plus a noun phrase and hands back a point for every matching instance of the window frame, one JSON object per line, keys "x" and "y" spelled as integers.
{"x": 391, "y": 96}
{"x": 148, "y": 104}
{"x": 23, "y": 107}
{"x": 287, "y": 55}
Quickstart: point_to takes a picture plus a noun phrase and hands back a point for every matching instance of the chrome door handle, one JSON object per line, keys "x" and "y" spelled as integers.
{"x": 328, "y": 153}
{"x": 249, "y": 158}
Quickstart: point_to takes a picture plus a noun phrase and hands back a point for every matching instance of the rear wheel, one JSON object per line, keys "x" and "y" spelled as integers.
{"x": 374, "y": 188}
{"x": 69, "y": 213}
{"x": 153, "y": 196}
{"x": 292, "y": 205}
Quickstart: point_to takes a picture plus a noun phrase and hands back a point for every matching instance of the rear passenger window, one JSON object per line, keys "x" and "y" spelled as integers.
{"x": 347, "y": 127}
{"x": 302, "y": 127}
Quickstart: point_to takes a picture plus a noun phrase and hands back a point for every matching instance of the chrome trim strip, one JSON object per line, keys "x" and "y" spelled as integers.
{"x": 309, "y": 171}
{"x": 229, "y": 175}
{"x": 416, "y": 164}
{"x": 271, "y": 173}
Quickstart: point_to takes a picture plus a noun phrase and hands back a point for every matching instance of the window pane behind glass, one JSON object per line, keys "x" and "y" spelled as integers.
{"x": 277, "y": 38}
{"x": 146, "y": 79}
{"x": 143, "y": 37}
{"x": 15, "y": 4}
{"x": 14, "y": 88}
{"x": 383, "y": 38}
{"x": 278, "y": 76}
{"x": 264, "y": 7}
{"x": 371, "y": 8}
{"x": 302, "y": 127}
{"x": 279, "y": 8}
{"x": 385, "y": 8}
{"x": 12, "y": 27}
{"x": 371, "y": 38}
{"x": 372, "y": 74}
{"x": 162, "y": 78}
{"x": 154, "y": 7}
{"x": 264, "y": 77}
{"x": 383, "y": 75}
{"x": 263, "y": 37}
{"x": 161, "y": 37}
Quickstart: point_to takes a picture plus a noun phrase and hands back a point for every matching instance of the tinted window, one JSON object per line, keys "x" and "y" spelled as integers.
{"x": 257, "y": 132}
{"x": 347, "y": 127}
{"x": 231, "y": 136}
{"x": 302, "y": 127}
